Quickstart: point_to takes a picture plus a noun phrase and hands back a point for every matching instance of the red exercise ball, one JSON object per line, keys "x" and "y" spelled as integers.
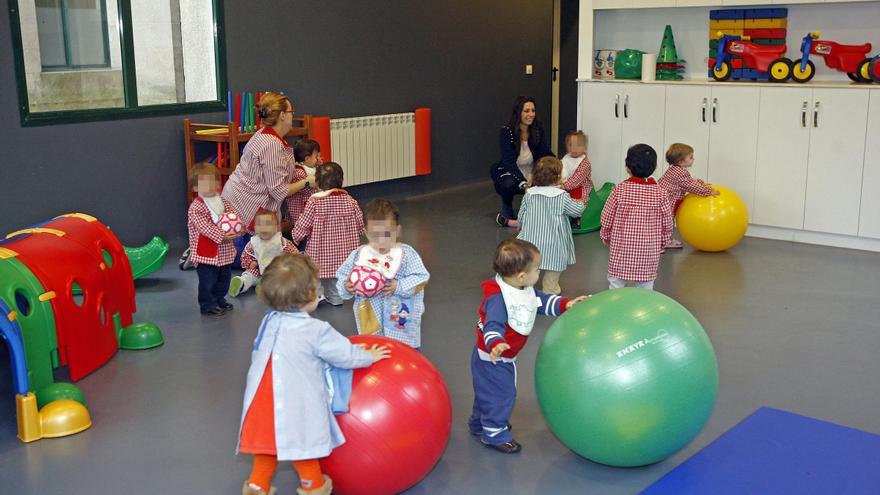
{"x": 397, "y": 425}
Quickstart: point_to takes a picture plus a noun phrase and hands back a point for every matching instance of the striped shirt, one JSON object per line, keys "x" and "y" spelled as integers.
{"x": 636, "y": 224}
{"x": 677, "y": 181}
{"x": 260, "y": 181}
{"x": 544, "y": 220}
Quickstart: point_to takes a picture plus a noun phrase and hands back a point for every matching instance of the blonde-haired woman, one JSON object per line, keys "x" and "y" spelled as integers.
{"x": 262, "y": 178}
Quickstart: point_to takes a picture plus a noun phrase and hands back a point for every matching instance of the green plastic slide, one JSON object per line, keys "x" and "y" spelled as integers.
{"x": 591, "y": 219}
{"x": 147, "y": 258}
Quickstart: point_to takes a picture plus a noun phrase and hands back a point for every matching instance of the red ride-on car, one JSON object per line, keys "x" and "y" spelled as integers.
{"x": 767, "y": 60}
{"x": 852, "y": 59}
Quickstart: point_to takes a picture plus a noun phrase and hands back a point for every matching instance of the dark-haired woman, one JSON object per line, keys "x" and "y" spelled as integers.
{"x": 522, "y": 142}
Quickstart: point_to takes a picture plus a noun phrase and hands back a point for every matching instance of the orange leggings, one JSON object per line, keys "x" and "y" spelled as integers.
{"x": 310, "y": 476}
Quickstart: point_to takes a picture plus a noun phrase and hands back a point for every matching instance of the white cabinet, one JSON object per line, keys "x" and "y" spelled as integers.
{"x": 616, "y": 116}
{"x": 869, "y": 215}
{"x": 782, "y": 155}
{"x": 733, "y": 114}
{"x": 687, "y": 121}
{"x": 612, "y": 4}
{"x": 642, "y": 4}
{"x": 837, "y": 151}
{"x": 697, "y": 3}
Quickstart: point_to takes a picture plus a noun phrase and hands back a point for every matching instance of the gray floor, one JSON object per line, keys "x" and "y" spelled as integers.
{"x": 794, "y": 327}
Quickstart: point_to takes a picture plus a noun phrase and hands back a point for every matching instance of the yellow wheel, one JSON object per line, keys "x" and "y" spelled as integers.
{"x": 804, "y": 75}
{"x": 722, "y": 74}
{"x": 864, "y": 71}
{"x": 780, "y": 70}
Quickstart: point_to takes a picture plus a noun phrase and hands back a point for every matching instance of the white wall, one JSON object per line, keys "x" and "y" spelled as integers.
{"x": 642, "y": 29}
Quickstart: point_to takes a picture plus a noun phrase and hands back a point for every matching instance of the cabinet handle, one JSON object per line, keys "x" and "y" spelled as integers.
{"x": 626, "y": 107}
{"x": 816, "y": 115}
{"x": 703, "y": 108}
{"x": 804, "y": 115}
{"x": 616, "y": 106}
{"x": 714, "y": 110}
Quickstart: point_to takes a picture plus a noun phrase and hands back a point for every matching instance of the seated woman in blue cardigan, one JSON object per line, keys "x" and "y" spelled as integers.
{"x": 522, "y": 142}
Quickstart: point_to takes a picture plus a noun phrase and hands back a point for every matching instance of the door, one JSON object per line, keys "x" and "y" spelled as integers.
{"x": 869, "y": 216}
{"x": 687, "y": 121}
{"x": 642, "y": 108}
{"x": 783, "y": 151}
{"x": 554, "y": 81}
{"x": 601, "y": 117}
{"x": 733, "y": 136}
{"x": 837, "y": 152}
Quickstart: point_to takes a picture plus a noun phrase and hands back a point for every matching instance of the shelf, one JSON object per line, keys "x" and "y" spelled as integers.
{"x": 692, "y": 82}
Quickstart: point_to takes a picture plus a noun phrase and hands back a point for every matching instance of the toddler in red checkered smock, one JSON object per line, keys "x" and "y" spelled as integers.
{"x": 677, "y": 181}
{"x": 636, "y": 222}
{"x": 331, "y": 224}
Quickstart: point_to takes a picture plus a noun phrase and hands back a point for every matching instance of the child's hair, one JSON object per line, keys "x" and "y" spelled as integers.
{"x": 270, "y": 107}
{"x": 581, "y": 137}
{"x": 514, "y": 256}
{"x": 290, "y": 281}
{"x": 329, "y": 176}
{"x": 266, "y": 213}
{"x": 382, "y": 209}
{"x": 641, "y": 160}
{"x": 202, "y": 169}
{"x": 304, "y": 149}
{"x": 678, "y": 152}
{"x": 547, "y": 171}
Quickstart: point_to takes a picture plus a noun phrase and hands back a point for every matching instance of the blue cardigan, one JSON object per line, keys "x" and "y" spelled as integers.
{"x": 508, "y": 143}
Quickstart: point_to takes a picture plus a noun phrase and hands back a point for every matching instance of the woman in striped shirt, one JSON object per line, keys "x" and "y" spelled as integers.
{"x": 261, "y": 181}
{"x": 544, "y": 218}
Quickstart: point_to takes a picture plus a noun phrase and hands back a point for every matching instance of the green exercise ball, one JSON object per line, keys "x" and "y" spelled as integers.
{"x": 627, "y": 377}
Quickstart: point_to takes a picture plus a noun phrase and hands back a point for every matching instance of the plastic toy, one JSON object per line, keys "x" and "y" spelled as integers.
{"x": 397, "y": 426}
{"x": 768, "y": 61}
{"x": 627, "y": 377}
{"x": 148, "y": 258}
{"x": 366, "y": 281}
{"x": 852, "y": 59}
{"x": 713, "y": 223}
{"x": 230, "y": 223}
{"x": 669, "y": 66}
{"x": 628, "y": 64}
{"x": 874, "y": 69}
{"x": 591, "y": 219}
{"x": 69, "y": 285}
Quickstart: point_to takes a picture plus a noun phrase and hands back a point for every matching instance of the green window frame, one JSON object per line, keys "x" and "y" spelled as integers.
{"x": 66, "y": 40}
{"x": 131, "y": 109}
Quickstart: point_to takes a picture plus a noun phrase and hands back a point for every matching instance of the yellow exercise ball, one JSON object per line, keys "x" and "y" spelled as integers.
{"x": 713, "y": 223}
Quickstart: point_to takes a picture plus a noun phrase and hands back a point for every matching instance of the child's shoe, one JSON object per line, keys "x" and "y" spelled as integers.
{"x": 249, "y": 489}
{"x": 326, "y": 488}
{"x": 226, "y": 307}
{"x": 214, "y": 312}
{"x": 511, "y": 447}
{"x": 235, "y": 286}
{"x": 674, "y": 244}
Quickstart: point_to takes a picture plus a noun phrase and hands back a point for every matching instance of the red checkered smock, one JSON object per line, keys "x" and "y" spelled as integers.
{"x": 249, "y": 256}
{"x": 296, "y": 203}
{"x": 333, "y": 225}
{"x": 636, "y": 224}
{"x": 260, "y": 181}
{"x": 677, "y": 181}
{"x": 580, "y": 183}
{"x": 207, "y": 243}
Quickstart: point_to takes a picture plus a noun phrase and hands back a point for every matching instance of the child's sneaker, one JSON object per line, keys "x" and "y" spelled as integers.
{"x": 214, "y": 312}
{"x": 511, "y": 447}
{"x": 674, "y": 244}
{"x": 226, "y": 307}
{"x": 185, "y": 261}
{"x": 235, "y": 286}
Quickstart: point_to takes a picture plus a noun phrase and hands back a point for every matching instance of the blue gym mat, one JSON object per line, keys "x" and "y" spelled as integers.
{"x": 777, "y": 452}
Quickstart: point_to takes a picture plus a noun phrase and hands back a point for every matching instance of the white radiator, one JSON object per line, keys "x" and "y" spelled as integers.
{"x": 374, "y": 148}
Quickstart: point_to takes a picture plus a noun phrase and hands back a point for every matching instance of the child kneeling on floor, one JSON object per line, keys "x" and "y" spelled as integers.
{"x": 395, "y": 311}
{"x": 287, "y": 414}
{"x": 507, "y": 315}
{"x": 260, "y": 250}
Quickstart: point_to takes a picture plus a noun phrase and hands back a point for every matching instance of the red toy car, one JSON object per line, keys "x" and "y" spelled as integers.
{"x": 852, "y": 59}
{"x": 767, "y": 60}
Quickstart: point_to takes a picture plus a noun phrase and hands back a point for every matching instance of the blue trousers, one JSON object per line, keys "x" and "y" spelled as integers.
{"x": 494, "y": 398}
{"x": 213, "y": 285}
{"x": 240, "y": 243}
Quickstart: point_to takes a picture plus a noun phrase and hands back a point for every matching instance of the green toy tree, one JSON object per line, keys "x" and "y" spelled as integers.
{"x": 669, "y": 66}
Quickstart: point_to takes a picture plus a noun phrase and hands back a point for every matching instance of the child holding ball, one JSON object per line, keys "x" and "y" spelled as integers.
{"x": 286, "y": 414}
{"x": 677, "y": 181}
{"x": 396, "y": 310}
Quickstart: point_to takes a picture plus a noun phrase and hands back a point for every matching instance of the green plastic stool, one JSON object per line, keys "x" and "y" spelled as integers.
{"x": 591, "y": 220}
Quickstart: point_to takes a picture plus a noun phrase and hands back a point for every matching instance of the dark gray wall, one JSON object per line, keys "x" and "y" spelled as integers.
{"x": 464, "y": 59}
{"x": 568, "y": 59}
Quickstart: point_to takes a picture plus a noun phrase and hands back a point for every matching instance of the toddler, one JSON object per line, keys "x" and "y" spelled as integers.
{"x": 260, "y": 250}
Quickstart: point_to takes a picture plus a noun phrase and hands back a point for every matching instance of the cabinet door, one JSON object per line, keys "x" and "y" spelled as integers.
{"x": 642, "y": 4}
{"x": 601, "y": 117}
{"x": 734, "y": 3}
{"x": 696, "y": 3}
{"x": 643, "y": 108}
{"x": 802, "y": 1}
{"x": 869, "y": 216}
{"x": 612, "y": 4}
{"x": 733, "y": 136}
{"x": 837, "y": 153}
{"x": 687, "y": 121}
{"x": 783, "y": 147}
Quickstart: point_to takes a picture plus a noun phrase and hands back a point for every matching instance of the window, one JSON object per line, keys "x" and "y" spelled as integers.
{"x": 80, "y": 60}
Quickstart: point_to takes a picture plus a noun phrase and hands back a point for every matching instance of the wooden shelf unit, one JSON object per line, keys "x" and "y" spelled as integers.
{"x": 232, "y": 137}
